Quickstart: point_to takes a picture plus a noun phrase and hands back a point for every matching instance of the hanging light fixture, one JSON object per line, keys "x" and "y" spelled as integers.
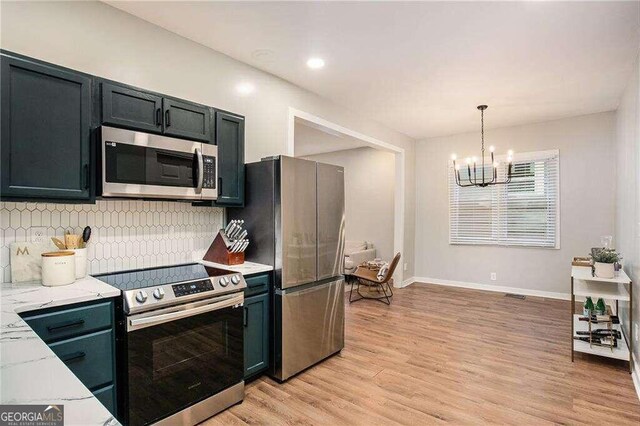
{"x": 483, "y": 180}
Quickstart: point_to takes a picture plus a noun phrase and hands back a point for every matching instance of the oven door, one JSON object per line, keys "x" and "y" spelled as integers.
{"x": 142, "y": 165}
{"x": 181, "y": 355}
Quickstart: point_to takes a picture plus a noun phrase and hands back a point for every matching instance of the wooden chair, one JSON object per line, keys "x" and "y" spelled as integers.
{"x": 371, "y": 278}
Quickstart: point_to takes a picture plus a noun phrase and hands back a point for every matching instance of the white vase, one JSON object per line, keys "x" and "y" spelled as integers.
{"x": 605, "y": 270}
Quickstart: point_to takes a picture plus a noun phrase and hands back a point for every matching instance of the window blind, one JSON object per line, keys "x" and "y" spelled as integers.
{"x": 524, "y": 212}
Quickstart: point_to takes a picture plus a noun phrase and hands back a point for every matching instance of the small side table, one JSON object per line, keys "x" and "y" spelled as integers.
{"x": 584, "y": 283}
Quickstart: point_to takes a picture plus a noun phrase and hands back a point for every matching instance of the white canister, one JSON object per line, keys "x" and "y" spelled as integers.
{"x": 58, "y": 268}
{"x": 81, "y": 262}
{"x": 604, "y": 270}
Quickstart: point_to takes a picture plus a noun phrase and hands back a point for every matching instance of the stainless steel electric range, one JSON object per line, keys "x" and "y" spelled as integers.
{"x": 179, "y": 342}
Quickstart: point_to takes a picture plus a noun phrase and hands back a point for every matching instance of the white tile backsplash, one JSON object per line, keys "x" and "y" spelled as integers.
{"x": 125, "y": 234}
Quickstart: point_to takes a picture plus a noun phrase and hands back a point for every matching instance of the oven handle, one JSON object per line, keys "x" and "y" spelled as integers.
{"x": 149, "y": 321}
{"x": 200, "y": 171}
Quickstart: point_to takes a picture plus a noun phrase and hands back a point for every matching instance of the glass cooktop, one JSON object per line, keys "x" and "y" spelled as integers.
{"x": 154, "y": 277}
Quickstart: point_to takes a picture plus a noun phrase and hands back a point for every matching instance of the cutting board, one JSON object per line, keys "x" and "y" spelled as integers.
{"x": 26, "y": 260}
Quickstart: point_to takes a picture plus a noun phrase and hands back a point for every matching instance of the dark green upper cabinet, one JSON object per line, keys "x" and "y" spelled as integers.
{"x": 131, "y": 108}
{"x": 186, "y": 120}
{"x": 256, "y": 334}
{"x": 230, "y": 140}
{"x": 46, "y": 126}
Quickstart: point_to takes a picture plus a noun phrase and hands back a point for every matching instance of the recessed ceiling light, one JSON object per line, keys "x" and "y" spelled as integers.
{"x": 315, "y": 63}
{"x": 245, "y": 88}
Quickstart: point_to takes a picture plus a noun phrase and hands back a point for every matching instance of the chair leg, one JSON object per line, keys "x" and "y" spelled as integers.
{"x": 388, "y": 296}
{"x": 384, "y": 298}
{"x": 351, "y": 300}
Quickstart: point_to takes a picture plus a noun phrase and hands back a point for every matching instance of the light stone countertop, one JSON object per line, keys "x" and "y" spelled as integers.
{"x": 247, "y": 268}
{"x": 30, "y": 373}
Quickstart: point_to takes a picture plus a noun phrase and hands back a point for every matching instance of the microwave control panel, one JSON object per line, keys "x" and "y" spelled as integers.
{"x": 209, "y": 172}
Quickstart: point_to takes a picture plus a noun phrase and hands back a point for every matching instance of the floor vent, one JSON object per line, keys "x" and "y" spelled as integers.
{"x": 515, "y": 296}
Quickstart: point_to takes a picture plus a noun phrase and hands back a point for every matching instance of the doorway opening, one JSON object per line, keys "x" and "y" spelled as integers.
{"x": 374, "y": 181}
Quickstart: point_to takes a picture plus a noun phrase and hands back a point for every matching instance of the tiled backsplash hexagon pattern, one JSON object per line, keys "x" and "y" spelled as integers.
{"x": 125, "y": 234}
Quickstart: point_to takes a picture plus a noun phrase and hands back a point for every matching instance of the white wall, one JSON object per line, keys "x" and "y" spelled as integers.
{"x": 369, "y": 175}
{"x": 627, "y": 237}
{"x": 313, "y": 141}
{"x": 101, "y": 40}
{"x": 587, "y": 192}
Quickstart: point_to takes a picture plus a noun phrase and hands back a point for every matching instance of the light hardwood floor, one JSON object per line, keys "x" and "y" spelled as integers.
{"x": 441, "y": 354}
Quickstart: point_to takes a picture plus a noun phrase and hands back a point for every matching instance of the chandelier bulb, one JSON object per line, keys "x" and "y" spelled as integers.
{"x": 454, "y": 157}
{"x": 492, "y": 148}
{"x": 496, "y": 164}
{"x": 475, "y": 160}
{"x": 468, "y": 160}
{"x": 510, "y": 153}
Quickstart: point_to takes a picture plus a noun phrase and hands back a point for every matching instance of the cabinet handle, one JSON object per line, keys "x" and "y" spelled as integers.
{"x": 245, "y": 317}
{"x": 167, "y": 118}
{"x": 158, "y": 117}
{"x": 66, "y": 324}
{"x": 219, "y": 186}
{"x": 73, "y": 356}
{"x": 86, "y": 176}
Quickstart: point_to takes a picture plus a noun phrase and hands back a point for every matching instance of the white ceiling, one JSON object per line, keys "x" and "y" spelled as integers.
{"x": 422, "y": 67}
{"x": 311, "y": 140}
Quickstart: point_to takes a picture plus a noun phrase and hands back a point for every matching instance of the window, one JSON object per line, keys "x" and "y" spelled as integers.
{"x": 524, "y": 212}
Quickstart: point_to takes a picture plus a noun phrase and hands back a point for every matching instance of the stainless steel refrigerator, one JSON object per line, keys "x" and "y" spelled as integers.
{"x": 294, "y": 215}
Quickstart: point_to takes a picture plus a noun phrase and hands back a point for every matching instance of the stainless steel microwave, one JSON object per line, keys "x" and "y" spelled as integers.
{"x": 143, "y": 165}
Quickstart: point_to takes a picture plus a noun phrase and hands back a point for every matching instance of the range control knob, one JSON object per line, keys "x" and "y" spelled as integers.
{"x": 235, "y": 280}
{"x": 141, "y": 296}
{"x": 158, "y": 293}
{"x": 224, "y": 281}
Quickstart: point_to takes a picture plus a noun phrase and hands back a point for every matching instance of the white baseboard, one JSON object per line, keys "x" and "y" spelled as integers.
{"x": 496, "y": 288}
{"x": 408, "y": 281}
{"x": 635, "y": 374}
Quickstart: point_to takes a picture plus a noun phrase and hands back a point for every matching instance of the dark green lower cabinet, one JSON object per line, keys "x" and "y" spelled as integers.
{"x": 87, "y": 358}
{"x": 107, "y": 396}
{"x": 256, "y": 334}
{"x": 83, "y": 337}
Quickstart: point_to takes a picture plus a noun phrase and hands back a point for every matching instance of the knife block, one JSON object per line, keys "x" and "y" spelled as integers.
{"x": 218, "y": 253}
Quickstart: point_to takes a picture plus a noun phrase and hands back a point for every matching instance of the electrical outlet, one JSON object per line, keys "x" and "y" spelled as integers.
{"x": 406, "y": 265}
{"x": 38, "y": 234}
{"x": 493, "y": 276}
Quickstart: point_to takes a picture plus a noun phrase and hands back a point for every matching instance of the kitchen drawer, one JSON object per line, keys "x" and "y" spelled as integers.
{"x": 62, "y": 324}
{"x": 257, "y": 284}
{"x": 89, "y": 357}
{"x": 107, "y": 396}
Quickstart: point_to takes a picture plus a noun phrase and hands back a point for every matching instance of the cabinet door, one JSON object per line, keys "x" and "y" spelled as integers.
{"x": 230, "y": 140}
{"x": 46, "y": 123}
{"x": 256, "y": 334}
{"x": 89, "y": 357}
{"x": 130, "y": 108}
{"x": 186, "y": 120}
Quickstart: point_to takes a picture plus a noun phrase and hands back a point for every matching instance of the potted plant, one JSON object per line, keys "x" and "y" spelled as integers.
{"x": 604, "y": 263}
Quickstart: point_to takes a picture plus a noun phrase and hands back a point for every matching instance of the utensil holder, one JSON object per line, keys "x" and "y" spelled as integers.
{"x": 81, "y": 262}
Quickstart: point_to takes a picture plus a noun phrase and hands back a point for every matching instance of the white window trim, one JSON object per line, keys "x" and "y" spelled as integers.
{"x": 517, "y": 157}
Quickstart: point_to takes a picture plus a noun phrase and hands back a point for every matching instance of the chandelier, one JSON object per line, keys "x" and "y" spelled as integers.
{"x": 479, "y": 178}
